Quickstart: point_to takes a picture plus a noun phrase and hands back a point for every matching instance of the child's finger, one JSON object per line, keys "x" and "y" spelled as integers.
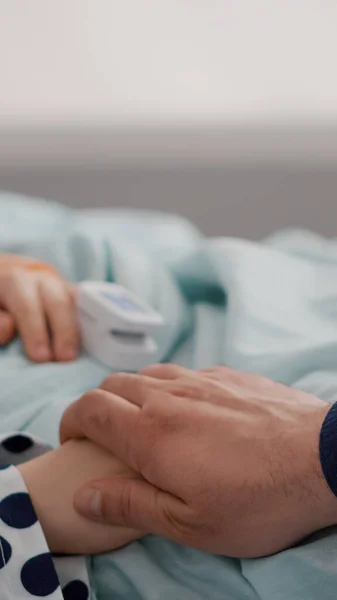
{"x": 23, "y": 298}
{"x": 60, "y": 311}
{"x": 7, "y": 327}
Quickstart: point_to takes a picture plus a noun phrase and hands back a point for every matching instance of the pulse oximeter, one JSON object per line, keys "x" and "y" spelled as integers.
{"x": 116, "y": 327}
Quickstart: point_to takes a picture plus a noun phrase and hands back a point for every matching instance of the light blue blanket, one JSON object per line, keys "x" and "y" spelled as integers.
{"x": 270, "y": 308}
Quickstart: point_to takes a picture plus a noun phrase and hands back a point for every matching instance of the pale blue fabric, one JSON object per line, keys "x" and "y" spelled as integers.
{"x": 269, "y": 308}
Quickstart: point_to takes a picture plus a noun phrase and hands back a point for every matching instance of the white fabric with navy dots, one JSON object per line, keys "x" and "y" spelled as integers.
{"x": 27, "y": 569}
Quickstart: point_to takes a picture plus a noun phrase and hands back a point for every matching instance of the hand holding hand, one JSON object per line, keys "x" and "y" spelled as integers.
{"x": 223, "y": 461}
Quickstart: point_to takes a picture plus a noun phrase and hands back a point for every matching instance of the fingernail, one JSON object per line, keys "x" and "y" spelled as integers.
{"x": 42, "y": 352}
{"x": 88, "y": 502}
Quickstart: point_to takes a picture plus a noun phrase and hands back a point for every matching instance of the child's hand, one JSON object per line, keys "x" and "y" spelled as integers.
{"x": 38, "y": 303}
{"x": 52, "y": 480}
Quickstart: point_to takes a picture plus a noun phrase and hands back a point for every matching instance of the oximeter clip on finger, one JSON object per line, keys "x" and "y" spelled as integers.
{"x": 116, "y": 327}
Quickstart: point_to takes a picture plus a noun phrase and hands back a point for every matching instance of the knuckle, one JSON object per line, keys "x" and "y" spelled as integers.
{"x": 189, "y": 387}
{"x": 92, "y": 410}
{"x": 143, "y": 386}
{"x": 115, "y": 380}
{"x": 172, "y": 370}
{"x": 54, "y": 290}
{"x": 124, "y": 383}
{"x": 91, "y": 399}
{"x": 164, "y": 371}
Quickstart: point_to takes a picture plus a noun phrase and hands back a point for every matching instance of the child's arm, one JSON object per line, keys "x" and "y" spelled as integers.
{"x": 37, "y": 518}
{"x": 52, "y": 481}
{"x": 37, "y": 303}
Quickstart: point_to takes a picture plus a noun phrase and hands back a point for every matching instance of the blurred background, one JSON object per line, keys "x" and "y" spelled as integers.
{"x": 223, "y": 111}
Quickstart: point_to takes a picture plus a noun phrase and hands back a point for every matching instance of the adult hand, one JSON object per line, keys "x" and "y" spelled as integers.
{"x": 225, "y": 461}
{"x": 37, "y": 303}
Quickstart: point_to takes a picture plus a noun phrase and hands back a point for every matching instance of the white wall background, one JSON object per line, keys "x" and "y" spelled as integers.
{"x": 223, "y": 110}
{"x": 126, "y": 61}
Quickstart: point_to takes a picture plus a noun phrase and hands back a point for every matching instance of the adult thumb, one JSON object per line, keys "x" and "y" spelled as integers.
{"x": 131, "y": 502}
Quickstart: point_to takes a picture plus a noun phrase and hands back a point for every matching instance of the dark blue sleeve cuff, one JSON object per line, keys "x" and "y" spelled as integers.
{"x": 328, "y": 448}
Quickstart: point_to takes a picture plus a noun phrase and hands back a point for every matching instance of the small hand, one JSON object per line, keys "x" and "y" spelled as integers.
{"x": 38, "y": 304}
{"x": 226, "y": 462}
{"x": 52, "y": 480}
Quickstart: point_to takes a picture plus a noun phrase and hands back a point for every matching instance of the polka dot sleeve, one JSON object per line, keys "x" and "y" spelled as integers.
{"x": 27, "y": 569}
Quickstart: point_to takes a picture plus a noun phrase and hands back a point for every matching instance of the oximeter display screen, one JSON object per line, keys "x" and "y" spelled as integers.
{"x": 122, "y": 302}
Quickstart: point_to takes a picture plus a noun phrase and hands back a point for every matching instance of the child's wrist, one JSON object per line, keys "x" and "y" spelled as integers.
{"x": 30, "y": 473}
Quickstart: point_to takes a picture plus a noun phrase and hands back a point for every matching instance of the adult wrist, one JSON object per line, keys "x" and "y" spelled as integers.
{"x": 325, "y": 469}
{"x": 311, "y": 505}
